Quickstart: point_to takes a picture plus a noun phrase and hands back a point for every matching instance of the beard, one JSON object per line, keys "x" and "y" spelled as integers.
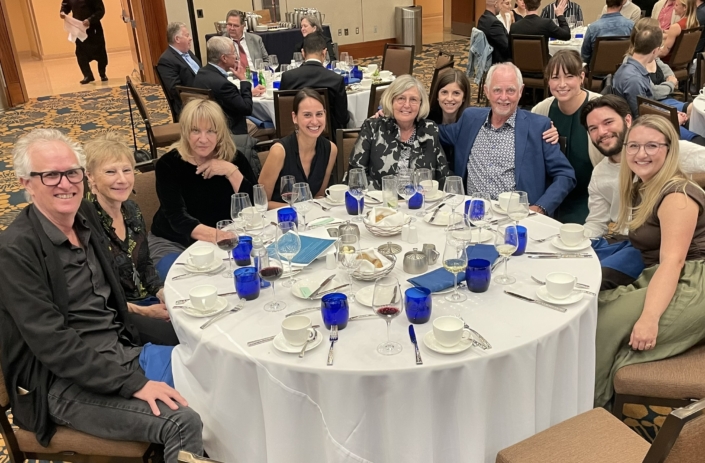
{"x": 616, "y": 149}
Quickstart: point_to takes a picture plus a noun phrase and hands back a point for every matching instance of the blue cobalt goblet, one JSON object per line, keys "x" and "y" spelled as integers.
{"x": 478, "y": 275}
{"x": 478, "y": 209}
{"x": 351, "y": 203}
{"x": 247, "y": 283}
{"x": 335, "y": 310}
{"x": 523, "y": 236}
{"x": 418, "y": 304}
{"x": 241, "y": 253}
{"x": 416, "y": 201}
{"x": 287, "y": 214}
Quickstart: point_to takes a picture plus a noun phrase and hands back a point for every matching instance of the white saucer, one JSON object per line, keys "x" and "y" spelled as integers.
{"x": 430, "y": 341}
{"x": 434, "y": 196}
{"x": 575, "y": 296}
{"x": 496, "y": 208}
{"x": 281, "y": 345}
{"x": 556, "y": 241}
{"x": 312, "y": 283}
{"x": 376, "y": 195}
{"x": 220, "y": 305}
{"x": 364, "y": 295}
{"x": 471, "y": 235}
{"x": 330, "y": 201}
{"x": 215, "y": 265}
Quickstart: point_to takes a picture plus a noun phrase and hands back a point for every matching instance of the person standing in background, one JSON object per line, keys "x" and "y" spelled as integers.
{"x": 93, "y": 48}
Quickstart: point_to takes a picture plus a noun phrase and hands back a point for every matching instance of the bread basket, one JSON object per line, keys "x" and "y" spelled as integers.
{"x": 382, "y": 230}
{"x": 377, "y": 274}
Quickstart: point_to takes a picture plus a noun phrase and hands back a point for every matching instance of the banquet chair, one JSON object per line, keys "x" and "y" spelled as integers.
{"x": 144, "y": 193}
{"x": 376, "y": 92}
{"x": 167, "y": 95}
{"x": 284, "y": 106}
{"x": 189, "y": 93}
{"x": 649, "y": 106}
{"x": 672, "y": 382}
{"x": 398, "y": 58}
{"x": 598, "y": 437}
{"x": 67, "y": 445}
{"x": 443, "y": 61}
{"x": 607, "y": 54}
{"x": 188, "y": 457}
{"x": 345, "y": 141}
{"x": 159, "y": 136}
{"x": 531, "y": 56}
{"x": 682, "y": 55}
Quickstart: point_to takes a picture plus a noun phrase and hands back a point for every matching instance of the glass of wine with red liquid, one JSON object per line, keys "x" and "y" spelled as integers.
{"x": 387, "y": 303}
{"x": 271, "y": 269}
{"x": 226, "y": 239}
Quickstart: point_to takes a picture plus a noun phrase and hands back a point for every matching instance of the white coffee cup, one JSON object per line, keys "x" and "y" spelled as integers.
{"x": 269, "y": 93}
{"x": 430, "y": 187}
{"x": 385, "y": 74}
{"x": 449, "y": 331}
{"x": 200, "y": 257}
{"x": 371, "y": 68}
{"x": 203, "y": 297}
{"x": 252, "y": 217}
{"x": 337, "y": 192}
{"x": 366, "y": 83}
{"x": 560, "y": 285}
{"x": 572, "y": 234}
{"x": 505, "y": 198}
{"x": 297, "y": 329}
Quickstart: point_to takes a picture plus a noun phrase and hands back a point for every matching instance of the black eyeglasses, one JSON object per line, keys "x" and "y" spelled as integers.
{"x": 53, "y": 178}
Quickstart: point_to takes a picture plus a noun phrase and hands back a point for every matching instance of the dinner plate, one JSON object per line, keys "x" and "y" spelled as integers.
{"x": 575, "y": 296}
{"x": 364, "y": 295}
{"x": 564, "y": 247}
{"x": 212, "y": 267}
{"x": 435, "y": 196}
{"x": 281, "y": 345}
{"x": 430, "y": 341}
{"x": 220, "y": 305}
{"x": 312, "y": 283}
{"x": 442, "y": 218}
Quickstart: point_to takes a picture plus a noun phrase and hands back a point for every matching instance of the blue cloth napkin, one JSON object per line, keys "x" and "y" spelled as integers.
{"x": 483, "y": 251}
{"x": 311, "y": 248}
{"x": 155, "y": 361}
{"x": 436, "y": 280}
{"x": 621, "y": 256}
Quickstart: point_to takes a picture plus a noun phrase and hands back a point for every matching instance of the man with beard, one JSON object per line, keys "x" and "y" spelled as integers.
{"x": 90, "y": 12}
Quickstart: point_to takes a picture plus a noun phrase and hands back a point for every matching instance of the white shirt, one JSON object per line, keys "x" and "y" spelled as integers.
{"x": 505, "y": 19}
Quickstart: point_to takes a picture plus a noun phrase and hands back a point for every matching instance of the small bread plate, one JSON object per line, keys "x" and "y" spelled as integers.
{"x": 564, "y": 247}
{"x": 210, "y": 268}
{"x": 220, "y": 305}
{"x": 364, "y": 295}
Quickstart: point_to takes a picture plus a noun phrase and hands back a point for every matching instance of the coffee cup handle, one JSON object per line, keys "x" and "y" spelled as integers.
{"x": 467, "y": 335}
{"x": 311, "y": 334}
{"x": 327, "y": 191}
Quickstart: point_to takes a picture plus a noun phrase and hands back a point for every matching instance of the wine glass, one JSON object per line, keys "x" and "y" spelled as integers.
{"x": 455, "y": 259}
{"x": 387, "y": 303}
{"x": 518, "y": 207}
{"x": 303, "y": 204}
{"x": 271, "y": 270}
{"x": 285, "y": 67}
{"x": 286, "y": 189}
{"x": 259, "y": 64}
{"x": 288, "y": 244}
{"x": 480, "y": 212}
{"x": 506, "y": 241}
{"x": 349, "y": 256}
{"x": 422, "y": 177}
{"x": 357, "y": 184}
{"x": 455, "y": 191}
{"x": 226, "y": 239}
{"x": 298, "y": 58}
{"x": 238, "y": 203}
{"x": 343, "y": 59}
{"x": 259, "y": 195}
{"x": 405, "y": 187}
{"x": 273, "y": 63}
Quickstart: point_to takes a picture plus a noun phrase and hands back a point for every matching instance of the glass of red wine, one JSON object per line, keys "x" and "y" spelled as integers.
{"x": 286, "y": 189}
{"x": 387, "y": 303}
{"x": 271, "y": 269}
{"x": 226, "y": 239}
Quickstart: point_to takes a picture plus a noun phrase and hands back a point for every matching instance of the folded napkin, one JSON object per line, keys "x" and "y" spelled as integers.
{"x": 436, "y": 280}
{"x": 367, "y": 267}
{"x": 393, "y": 220}
{"x": 483, "y": 251}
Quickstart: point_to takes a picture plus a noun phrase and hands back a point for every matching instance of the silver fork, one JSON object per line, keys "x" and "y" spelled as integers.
{"x": 579, "y": 286}
{"x": 325, "y": 208}
{"x": 541, "y": 240}
{"x": 237, "y": 308}
{"x": 333, "y": 338}
{"x": 311, "y": 339}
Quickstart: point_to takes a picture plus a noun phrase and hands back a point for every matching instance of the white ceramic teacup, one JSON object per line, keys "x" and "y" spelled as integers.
{"x": 252, "y": 217}
{"x": 385, "y": 74}
{"x": 203, "y": 297}
{"x": 560, "y": 285}
{"x": 449, "y": 331}
{"x": 269, "y": 93}
{"x": 505, "y": 199}
{"x": 572, "y": 234}
{"x": 430, "y": 187}
{"x": 371, "y": 68}
{"x": 297, "y": 329}
{"x": 337, "y": 192}
{"x": 366, "y": 83}
{"x": 200, "y": 257}
{"x": 702, "y": 92}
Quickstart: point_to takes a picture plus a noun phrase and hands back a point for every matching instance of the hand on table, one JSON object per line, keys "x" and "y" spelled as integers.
{"x": 258, "y": 90}
{"x": 644, "y": 334}
{"x": 551, "y": 135}
{"x": 155, "y": 390}
{"x": 213, "y": 167}
{"x": 536, "y": 209}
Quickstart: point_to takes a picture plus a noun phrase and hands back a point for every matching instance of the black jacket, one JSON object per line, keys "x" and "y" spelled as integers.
{"x": 496, "y": 35}
{"x": 312, "y": 74}
{"x": 92, "y": 10}
{"x": 174, "y": 70}
{"x": 533, "y": 24}
{"x": 36, "y": 344}
{"x": 236, "y": 104}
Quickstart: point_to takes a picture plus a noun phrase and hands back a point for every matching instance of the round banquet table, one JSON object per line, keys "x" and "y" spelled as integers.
{"x": 697, "y": 117}
{"x": 259, "y": 404}
{"x": 556, "y": 45}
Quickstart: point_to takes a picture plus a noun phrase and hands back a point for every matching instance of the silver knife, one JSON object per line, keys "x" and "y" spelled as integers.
{"x": 412, "y": 335}
{"x": 328, "y": 291}
{"x": 561, "y": 256}
{"x": 361, "y": 317}
{"x": 300, "y": 311}
{"x": 325, "y": 282}
{"x": 184, "y": 301}
{"x": 433, "y": 217}
{"x": 535, "y": 301}
{"x": 237, "y": 308}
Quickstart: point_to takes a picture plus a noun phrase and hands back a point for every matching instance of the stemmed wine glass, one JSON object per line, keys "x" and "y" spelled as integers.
{"x": 259, "y": 195}
{"x": 357, "y": 184}
{"x": 227, "y": 240}
{"x": 298, "y": 58}
{"x": 273, "y": 62}
{"x": 349, "y": 256}
{"x": 302, "y": 204}
{"x": 455, "y": 259}
{"x": 387, "y": 303}
{"x": 288, "y": 244}
{"x": 238, "y": 203}
{"x": 506, "y": 241}
{"x": 480, "y": 212}
{"x": 518, "y": 207}
{"x": 422, "y": 177}
{"x": 271, "y": 271}
{"x": 455, "y": 191}
{"x": 286, "y": 189}
{"x": 405, "y": 187}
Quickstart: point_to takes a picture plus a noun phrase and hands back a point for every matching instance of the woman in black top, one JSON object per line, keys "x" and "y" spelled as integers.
{"x": 304, "y": 154}
{"x": 449, "y": 102}
{"x": 310, "y": 24}
{"x": 196, "y": 179}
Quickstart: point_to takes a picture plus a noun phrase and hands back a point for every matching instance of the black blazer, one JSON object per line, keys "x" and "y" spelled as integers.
{"x": 496, "y": 35}
{"x": 533, "y": 24}
{"x": 312, "y": 74}
{"x": 174, "y": 70}
{"x": 236, "y": 104}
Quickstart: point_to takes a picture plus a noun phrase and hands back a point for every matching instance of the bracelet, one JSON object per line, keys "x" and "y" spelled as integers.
{"x": 231, "y": 173}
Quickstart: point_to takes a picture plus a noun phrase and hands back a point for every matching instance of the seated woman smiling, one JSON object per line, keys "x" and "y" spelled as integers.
{"x": 662, "y": 313}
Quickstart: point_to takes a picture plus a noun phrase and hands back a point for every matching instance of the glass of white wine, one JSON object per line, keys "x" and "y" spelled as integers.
{"x": 455, "y": 259}
{"x": 506, "y": 241}
{"x": 288, "y": 244}
{"x": 518, "y": 208}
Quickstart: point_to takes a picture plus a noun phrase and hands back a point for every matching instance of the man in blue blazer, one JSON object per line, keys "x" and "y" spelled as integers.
{"x": 501, "y": 148}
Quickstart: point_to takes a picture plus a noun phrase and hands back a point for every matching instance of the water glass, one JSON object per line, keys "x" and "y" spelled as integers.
{"x": 335, "y": 310}
{"x": 303, "y": 203}
{"x": 506, "y": 241}
{"x": 418, "y": 303}
{"x": 238, "y": 203}
{"x": 259, "y": 195}
{"x": 259, "y": 64}
{"x": 352, "y": 205}
{"x": 420, "y": 177}
{"x": 247, "y": 283}
{"x": 389, "y": 191}
{"x": 478, "y": 275}
{"x": 273, "y": 62}
{"x": 242, "y": 251}
{"x": 523, "y": 235}
{"x": 287, "y": 214}
{"x": 416, "y": 201}
{"x": 357, "y": 186}
{"x": 518, "y": 207}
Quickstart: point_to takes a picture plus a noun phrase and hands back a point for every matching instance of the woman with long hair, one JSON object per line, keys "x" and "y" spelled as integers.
{"x": 449, "y": 102}
{"x": 519, "y": 10}
{"x": 506, "y": 14}
{"x": 686, "y": 9}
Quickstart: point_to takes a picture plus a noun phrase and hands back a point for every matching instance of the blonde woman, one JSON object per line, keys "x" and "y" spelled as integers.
{"x": 686, "y": 9}
{"x": 196, "y": 179}
{"x": 506, "y": 14}
{"x": 662, "y": 313}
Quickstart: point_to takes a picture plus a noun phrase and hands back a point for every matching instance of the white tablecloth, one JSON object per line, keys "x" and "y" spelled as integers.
{"x": 259, "y": 405}
{"x": 697, "y": 117}
{"x": 575, "y": 44}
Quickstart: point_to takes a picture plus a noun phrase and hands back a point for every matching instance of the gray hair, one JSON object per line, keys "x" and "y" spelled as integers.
{"x": 218, "y": 46}
{"x": 172, "y": 30}
{"x": 313, "y": 21}
{"x": 399, "y": 86}
{"x": 238, "y": 13}
{"x": 20, "y": 153}
{"x": 494, "y": 67}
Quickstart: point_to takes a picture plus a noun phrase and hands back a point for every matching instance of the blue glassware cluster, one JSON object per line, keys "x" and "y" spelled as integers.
{"x": 287, "y": 214}
{"x": 351, "y": 203}
{"x": 416, "y": 201}
{"x": 478, "y": 275}
{"x": 335, "y": 310}
{"x": 241, "y": 253}
{"x": 247, "y": 283}
{"x": 478, "y": 209}
{"x": 418, "y": 304}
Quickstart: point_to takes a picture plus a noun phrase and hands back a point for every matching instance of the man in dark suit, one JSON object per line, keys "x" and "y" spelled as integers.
{"x": 312, "y": 74}
{"x": 90, "y": 12}
{"x": 178, "y": 65}
{"x": 495, "y": 32}
{"x": 533, "y": 24}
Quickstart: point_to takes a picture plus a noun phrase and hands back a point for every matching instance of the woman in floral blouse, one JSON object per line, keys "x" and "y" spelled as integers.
{"x": 110, "y": 171}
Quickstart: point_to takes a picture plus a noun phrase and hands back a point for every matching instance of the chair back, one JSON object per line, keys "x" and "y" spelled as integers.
{"x": 683, "y": 49}
{"x": 335, "y": 51}
{"x": 530, "y": 53}
{"x": 345, "y": 141}
{"x": 398, "y": 58}
{"x": 648, "y": 106}
{"x": 443, "y": 61}
{"x": 266, "y": 16}
{"x": 167, "y": 95}
{"x": 682, "y": 436}
{"x": 139, "y": 101}
{"x": 608, "y": 53}
{"x": 284, "y": 106}
{"x": 189, "y": 93}
{"x": 376, "y": 92}
{"x": 145, "y": 195}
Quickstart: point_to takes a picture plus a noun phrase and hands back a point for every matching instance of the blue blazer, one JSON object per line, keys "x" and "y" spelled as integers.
{"x": 540, "y": 168}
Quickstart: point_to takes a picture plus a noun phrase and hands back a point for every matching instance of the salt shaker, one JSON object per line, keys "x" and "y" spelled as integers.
{"x": 413, "y": 235}
{"x": 330, "y": 260}
{"x": 405, "y": 232}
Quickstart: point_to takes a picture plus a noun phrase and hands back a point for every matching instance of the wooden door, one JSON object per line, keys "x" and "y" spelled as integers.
{"x": 15, "y": 91}
{"x": 129, "y": 19}
{"x": 462, "y": 17}
{"x": 150, "y": 21}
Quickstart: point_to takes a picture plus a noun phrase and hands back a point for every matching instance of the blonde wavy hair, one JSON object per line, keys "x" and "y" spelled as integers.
{"x": 193, "y": 114}
{"x": 649, "y": 192}
{"x": 109, "y": 147}
{"x": 691, "y": 9}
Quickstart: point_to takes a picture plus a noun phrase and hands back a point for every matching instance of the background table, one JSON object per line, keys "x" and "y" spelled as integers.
{"x": 574, "y": 44}
{"x": 697, "y": 116}
{"x": 259, "y": 405}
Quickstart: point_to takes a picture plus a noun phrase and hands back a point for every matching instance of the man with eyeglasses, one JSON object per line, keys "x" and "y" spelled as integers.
{"x": 249, "y": 47}
{"x": 69, "y": 355}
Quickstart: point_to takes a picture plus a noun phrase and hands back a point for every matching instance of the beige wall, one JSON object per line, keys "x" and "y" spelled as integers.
{"x": 431, "y": 8}
{"x": 591, "y": 10}
{"x": 20, "y": 20}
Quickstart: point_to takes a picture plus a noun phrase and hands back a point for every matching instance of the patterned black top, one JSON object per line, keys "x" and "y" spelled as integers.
{"x": 138, "y": 277}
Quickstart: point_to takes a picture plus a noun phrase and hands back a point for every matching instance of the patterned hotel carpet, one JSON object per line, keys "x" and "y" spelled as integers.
{"x": 86, "y": 114}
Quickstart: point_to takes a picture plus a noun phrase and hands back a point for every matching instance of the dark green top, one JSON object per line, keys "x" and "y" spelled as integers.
{"x": 574, "y": 208}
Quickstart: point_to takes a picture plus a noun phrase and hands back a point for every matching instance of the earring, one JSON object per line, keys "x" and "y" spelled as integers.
{"x": 296, "y": 128}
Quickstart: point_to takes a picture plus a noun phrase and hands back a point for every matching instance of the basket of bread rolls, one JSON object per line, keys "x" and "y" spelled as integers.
{"x": 385, "y": 221}
{"x": 374, "y": 265}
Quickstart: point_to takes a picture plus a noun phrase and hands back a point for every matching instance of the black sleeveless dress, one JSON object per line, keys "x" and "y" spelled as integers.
{"x": 292, "y": 165}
